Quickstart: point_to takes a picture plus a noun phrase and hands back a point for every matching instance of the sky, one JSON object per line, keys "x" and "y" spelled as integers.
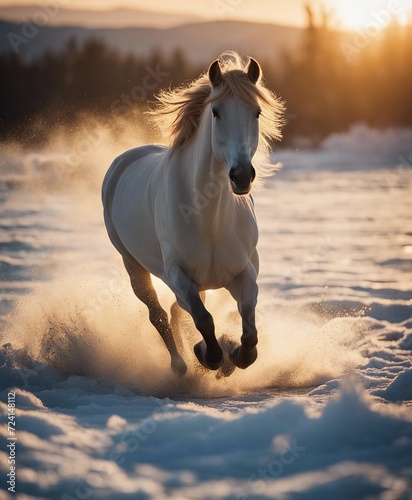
{"x": 347, "y": 14}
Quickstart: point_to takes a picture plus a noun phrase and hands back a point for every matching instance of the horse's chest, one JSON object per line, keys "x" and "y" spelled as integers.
{"x": 212, "y": 248}
{"x": 216, "y": 263}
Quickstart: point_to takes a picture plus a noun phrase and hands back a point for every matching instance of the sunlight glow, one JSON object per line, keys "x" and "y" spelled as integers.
{"x": 345, "y": 14}
{"x": 359, "y": 15}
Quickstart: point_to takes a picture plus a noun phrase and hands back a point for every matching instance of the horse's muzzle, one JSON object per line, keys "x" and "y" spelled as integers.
{"x": 241, "y": 178}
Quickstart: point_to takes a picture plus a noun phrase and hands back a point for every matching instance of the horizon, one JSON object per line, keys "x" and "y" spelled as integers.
{"x": 345, "y": 15}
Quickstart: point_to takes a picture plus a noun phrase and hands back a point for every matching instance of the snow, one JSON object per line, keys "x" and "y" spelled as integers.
{"x": 399, "y": 389}
{"x": 325, "y": 412}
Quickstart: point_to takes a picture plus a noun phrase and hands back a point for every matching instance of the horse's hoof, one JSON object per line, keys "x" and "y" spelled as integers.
{"x": 242, "y": 358}
{"x": 201, "y": 354}
{"x": 179, "y": 366}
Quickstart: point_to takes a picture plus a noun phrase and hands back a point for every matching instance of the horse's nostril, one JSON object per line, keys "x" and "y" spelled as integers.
{"x": 242, "y": 176}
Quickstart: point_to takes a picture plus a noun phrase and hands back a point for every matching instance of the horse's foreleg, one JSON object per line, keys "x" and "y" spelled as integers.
{"x": 143, "y": 288}
{"x": 244, "y": 290}
{"x": 208, "y": 352}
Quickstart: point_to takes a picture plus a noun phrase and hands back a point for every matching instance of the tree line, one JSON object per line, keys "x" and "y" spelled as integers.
{"x": 327, "y": 85}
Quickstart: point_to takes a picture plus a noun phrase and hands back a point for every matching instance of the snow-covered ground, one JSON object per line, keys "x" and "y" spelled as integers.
{"x": 324, "y": 413}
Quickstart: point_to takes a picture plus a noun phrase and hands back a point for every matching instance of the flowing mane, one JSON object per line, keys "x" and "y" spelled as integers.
{"x": 178, "y": 112}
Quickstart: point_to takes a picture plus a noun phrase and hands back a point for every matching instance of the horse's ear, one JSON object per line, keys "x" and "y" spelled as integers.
{"x": 215, "y": 74}
{"x": 253, "y": 70}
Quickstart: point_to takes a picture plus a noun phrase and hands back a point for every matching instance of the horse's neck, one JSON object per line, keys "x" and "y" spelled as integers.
{"x": 209, "y": 177}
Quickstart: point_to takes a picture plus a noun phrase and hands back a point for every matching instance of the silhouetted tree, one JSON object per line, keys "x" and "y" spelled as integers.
{"x": 325, "y": 92}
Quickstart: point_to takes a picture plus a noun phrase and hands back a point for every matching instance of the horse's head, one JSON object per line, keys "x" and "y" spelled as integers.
{"x": 231, "y": 96}
{"x": 235, "y": 124}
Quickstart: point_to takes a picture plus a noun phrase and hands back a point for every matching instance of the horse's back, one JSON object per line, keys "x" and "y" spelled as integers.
{"x": 126, "y": 197}
{"x": 119, "y": 166}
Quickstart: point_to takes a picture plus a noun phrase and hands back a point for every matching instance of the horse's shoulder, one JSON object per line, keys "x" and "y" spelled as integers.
{"x": 120, "y": 165}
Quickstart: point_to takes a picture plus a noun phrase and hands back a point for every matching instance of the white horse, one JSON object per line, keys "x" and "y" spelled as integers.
{"x": 184, "y": 213}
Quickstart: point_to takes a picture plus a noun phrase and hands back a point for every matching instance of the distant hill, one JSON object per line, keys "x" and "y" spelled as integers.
{"x": 113, "y": 18}
{"x": 201, "y": 42}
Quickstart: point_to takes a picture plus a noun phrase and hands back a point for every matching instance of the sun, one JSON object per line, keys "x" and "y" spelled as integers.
{"x": 361, "y": 14}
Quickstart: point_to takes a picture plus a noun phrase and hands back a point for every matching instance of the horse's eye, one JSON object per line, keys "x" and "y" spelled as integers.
{"x": 215, "y": 113}
{"x": 259, "y": 112}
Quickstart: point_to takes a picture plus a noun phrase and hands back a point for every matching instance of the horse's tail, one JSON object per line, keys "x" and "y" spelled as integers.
{"x": 110, "y": 182}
